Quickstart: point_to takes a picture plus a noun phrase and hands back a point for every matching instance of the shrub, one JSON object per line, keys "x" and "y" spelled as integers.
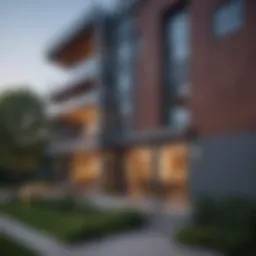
{"x": 92, "y": 229}
{"x": 226, "y": 225}
{"x": 98, "y": 226}
{"x": 73, "y": 222}
{"x": 11, "y": 248}
{"x": 67, "y": 204}
{"x": 124, "y": 220}
{"x": 193, "y": 236}
{"x": 214, "y": 238}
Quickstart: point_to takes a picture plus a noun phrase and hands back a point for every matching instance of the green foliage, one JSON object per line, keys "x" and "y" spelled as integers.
{"x": 57, "y": 223}
{"x": 109, "y": 222}
{"x": 23, "y": 126}
{"x": 78, "y": 223}
{"x": 226, "y": 225}
{"x": 233, "y": 213}
{"x": 10, "y": 248}
{"x": 224, "y": 240}
{"x": 67, "y": 204}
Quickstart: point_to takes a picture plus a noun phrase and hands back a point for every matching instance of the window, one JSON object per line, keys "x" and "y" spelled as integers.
{"x": 177, "y": 55}
{"x": 180, "y": 116}
{"x": 124, "y": 83}
{"x": 124, "y": 70}
{"x": 124, "y": 52}
{"x": 228, "y": 17}
{"x": 124, "y": 29}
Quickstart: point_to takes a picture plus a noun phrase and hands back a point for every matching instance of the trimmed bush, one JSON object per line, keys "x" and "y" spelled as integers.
{"x": 226, "y": 225}
{"x": 11, "y": 248}
{"x": 215, "y": 238}
{"x": 67, "y": 204}
{"x": 72, "y": 222}
{"x": 234, "y": 213}
{"x": 101, "y": 225}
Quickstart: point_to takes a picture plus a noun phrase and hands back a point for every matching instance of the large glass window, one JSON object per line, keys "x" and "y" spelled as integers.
{"x": 228, "y": 17}
{"x": 124, "y": 55}
{"x": 177, "y": 54}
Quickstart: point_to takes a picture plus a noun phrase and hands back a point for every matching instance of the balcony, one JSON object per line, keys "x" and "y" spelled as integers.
{"x": 72, "y": 145}
{"x": 68, "y": 143}
{"x": 87, "y": 69}
{"x": 88, "y": 98}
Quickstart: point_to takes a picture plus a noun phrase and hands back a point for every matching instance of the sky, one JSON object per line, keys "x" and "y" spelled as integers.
{"x": 28, "y": 29}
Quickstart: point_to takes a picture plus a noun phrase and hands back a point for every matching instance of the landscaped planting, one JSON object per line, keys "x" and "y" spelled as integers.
{"x": 71, "y": 222}
{"x": 10, "y": 248}
{"x": 227, "y": 225}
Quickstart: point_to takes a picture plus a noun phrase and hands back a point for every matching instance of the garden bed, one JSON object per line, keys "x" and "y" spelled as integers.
{"x": 225, "y": 225}
{"x": 70, "y": 222}
{"x": 10, "y": 248}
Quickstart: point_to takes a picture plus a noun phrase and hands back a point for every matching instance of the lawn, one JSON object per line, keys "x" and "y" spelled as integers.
{"x": 11, "y": 248}
{"x": 72, "y": 223}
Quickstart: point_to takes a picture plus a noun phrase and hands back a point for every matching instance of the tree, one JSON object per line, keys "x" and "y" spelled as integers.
{"x": 23, "y": 130}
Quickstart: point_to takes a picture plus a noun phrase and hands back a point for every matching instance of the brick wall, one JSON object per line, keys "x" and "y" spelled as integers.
{"x": 222, "y": 70}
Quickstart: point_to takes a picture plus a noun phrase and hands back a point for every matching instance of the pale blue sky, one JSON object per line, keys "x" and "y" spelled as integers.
{"x": 28, "y": 28}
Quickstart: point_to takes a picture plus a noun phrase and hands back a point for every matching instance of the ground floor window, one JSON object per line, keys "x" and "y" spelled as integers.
{"x": 169, "y": 173}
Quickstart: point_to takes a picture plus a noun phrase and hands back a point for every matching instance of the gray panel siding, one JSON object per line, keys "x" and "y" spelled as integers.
{"x": 223, "y": 166}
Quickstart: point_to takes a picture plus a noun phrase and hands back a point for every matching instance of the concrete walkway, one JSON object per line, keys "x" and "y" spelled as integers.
{"x": 143, "y": 243}
{"x": 138, "y": 244}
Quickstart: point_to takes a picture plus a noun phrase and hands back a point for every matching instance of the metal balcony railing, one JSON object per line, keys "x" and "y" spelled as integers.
{"x": 69, "y": 145}
{"x": 92, "y": 97}
{"x": 64, "y": 143}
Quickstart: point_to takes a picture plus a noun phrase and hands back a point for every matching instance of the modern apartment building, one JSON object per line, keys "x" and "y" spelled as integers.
{"x": 161, "y": 95}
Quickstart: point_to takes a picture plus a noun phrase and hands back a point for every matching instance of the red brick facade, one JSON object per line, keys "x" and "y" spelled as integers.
{"x": 222, "y": 71}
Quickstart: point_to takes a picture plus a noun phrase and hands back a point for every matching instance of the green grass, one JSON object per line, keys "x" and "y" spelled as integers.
{"x": 72, "y": 224}
{"x": 11, "y": 248}
{"x": 55, "y": 222}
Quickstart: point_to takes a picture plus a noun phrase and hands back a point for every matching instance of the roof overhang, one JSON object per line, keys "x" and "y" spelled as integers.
{"x": 73, "y": 33}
